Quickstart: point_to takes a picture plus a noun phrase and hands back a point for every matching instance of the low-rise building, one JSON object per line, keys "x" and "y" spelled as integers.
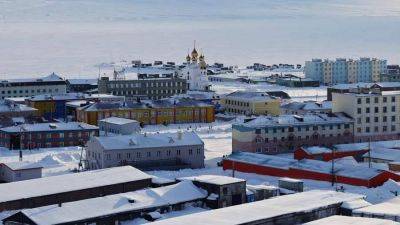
{"x": 18, "y": 171}
{"x": 388, "y": 210}
{"x": 375, "y": 113}
{"x": 301, "y": 108}
{"x": 222, "y": 191}
{"x": 284, "y": 210}
{"x": 112, "y": 209}
{"x": 147, "y": 151}
{"x": 285, "y": 133}
{"x": 346, "y": 88}
{"x": 166, "y": 111}
{"x": 251, "y": 103}
{"x": 81, "y": 85}
{"x": 297, "y": 82}
{"x": 51, "y": 84}
{"x": 71, "y": 187}
{"x": 118, "y": 125}
{"x": 54, "y": 106}
{"x": 46, "y": 135}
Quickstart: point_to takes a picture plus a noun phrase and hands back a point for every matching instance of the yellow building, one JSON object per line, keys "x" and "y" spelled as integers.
{"x": 153, "y": 112}
{"x": 251, "y": 103}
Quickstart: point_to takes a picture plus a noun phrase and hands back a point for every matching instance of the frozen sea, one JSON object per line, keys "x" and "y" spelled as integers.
{"x": 71, "y": 37}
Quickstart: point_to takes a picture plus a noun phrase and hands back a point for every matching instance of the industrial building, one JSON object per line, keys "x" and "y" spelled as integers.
{"x": 71, "y": 187}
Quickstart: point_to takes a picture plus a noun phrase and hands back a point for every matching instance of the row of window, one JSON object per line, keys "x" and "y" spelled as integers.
{"x": 149, "y": 84}
{"x": 376, "y": 109}
{"x": 376, "y": 119}
{"x": 376, "y": 100}
{"x": 292, "y": 138}
{"x": 376, "y": 129}
{"x": 26, "y": 91}
{"x": 306, "y": 128}
{"x": 238, "y": 103}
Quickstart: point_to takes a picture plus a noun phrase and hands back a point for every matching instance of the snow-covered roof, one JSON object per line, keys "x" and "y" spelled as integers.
{"x": 384, "y": 154}
{"x": 290, "y": 120}
{"x": 316, "y": 149}
{"x": 388, "y": 209}
{"x": 138, "y": 141}
{"x": 83, "y": 81}
{"x": 214, "y": 179}
{"x": 342, "y": 169}
{"x": 38, "y": 127}
{"x": 260, "y": 210}
{"x": 366, "y": 145}
{"x": 118, "y": 203}
{"x": 49, "y": 78}
{"x": 11, "y": 107}
{"x": 366, "y": 85}
{"x": 118, "y": 120}
{"x": 73, "y": 96}
{"x": 69, "y": 182}
{"x": 23, "y": 165}
{"x": 347, "y": 220}
{"x": 249, "y": 96}
{"x": 356, "y": 204}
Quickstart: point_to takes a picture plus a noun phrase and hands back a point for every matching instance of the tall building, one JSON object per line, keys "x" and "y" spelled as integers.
{"x": 375, "y": 112}
{"x": 51, "y": 84}
{"x": 345, "y": 71}
{"x": 195, "y": 72}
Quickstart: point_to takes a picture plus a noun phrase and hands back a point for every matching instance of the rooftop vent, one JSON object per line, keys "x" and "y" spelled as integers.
{"x": 52, "y": 126}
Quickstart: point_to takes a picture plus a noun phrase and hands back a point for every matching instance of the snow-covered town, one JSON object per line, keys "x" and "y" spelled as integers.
{"x": 202, "y": 138}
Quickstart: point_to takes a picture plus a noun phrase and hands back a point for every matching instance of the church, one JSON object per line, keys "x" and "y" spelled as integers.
{"x": 195, "y": 72}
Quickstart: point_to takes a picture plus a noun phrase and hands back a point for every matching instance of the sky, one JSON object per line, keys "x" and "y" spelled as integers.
{"x": 73, "y": 37}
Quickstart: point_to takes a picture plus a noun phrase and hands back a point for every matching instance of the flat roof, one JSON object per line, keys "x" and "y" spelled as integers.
{"x": 347, "y": 220}
{"x": 37, "y": 127}
{"x": 389, "y": 208}
{"x": 13, "y": 107}
{"x": 69, "y": 182}
{"x": 138, "y": 141}
{"x": 261, "y": 210}
{"x": 102, "y": 206}
{"x": 250, "y": 96}
{"x": 214, "y": 179}
{"x": 24, "y": 165}
{"x": 118, "y": 120}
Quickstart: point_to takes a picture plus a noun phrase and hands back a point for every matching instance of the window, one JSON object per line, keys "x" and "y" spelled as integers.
{"x": 367, "y": 119}
{"x": 376, "y": 110}
{"x": 359, "y": 110}
{"x": 393, "y": 128}
{"x": 190, "y": 151}
{"x": 148, "y": 154}
{"x": 393, "y": 98}
{"x": 376, "y": 129}
{"x": 376, "y": 119}
{"x": 384, "y": 109}
{"x": 367, "y": 129}
{"x": 393, "y": 108}
{"x": 367, "y": 110}
{"x": 128, "y": 155}
{"x": 384, "y": 99}
{"x": 384, "y": 119}
{"x": 393, "y": 118}
{"x": 358, "y": 100}
{"x": 376, "y": 100}
{"x": 359, "y": 120}
{"x": 138, "y": 155}
{"x": 384, "y": 128}
{"x": 108, "y": 157}
{"x": 367, "y": 100}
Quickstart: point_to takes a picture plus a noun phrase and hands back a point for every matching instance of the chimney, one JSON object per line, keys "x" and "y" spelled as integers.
{"x": 20, "y": 155}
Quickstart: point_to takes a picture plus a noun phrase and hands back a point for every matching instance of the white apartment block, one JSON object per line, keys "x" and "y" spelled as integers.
{"x": 51, "y": 84}
{"x": 375, "y": 113}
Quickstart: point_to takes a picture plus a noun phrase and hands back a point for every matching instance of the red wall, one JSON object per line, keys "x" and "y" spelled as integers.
{"x": 300, "y": 154}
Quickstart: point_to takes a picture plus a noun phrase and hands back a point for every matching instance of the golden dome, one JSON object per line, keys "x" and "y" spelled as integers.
{"x": 194, "y": 54}
{"x": 188, "y": 58}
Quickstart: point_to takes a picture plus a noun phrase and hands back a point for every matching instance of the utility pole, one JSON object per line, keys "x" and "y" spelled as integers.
{"x": 233, "y": 168}
{"x": 369, "y": 153}
{"x": 333, "y": 165}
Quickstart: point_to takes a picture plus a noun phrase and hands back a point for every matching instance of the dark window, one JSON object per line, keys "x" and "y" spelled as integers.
{"x": 358, "y": 100}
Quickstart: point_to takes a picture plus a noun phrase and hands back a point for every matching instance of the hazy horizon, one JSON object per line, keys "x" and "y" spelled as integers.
{"x": 72, "y": 37}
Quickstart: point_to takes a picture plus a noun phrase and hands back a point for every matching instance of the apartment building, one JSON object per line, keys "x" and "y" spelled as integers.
{"x": 165, "y": 111}
{"x": 374, "y": 110}
{"x": 346, "y": 88}
{"x": 51, "y": 84}
{"x": 345, "y": 71}
{"x": 46, "y": 135}
{"x": 145, "y": 86}
{"x": 251, "y": 103}
{"x": 392, "y": 74}
{"x": 285, "y": 133}
{"x": 147, "y": 151}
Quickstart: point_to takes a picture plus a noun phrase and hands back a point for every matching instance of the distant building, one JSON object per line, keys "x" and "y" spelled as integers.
{"x": 251, "y": 103}
{"x": 12, "y": 113}
{"x": 118, "y": 125}
{"x": 341, "y": 70}
{"x": 297, "y": 82}
{"x": 51, "y": 84}
{"x": 375, "y": 113}
{"x": 392, "y": 74}
{"x": 144, "y": 86}
{"x": 71, "y": 187}
{"x": 166, "y": 111}
{"x": 54, "y": 106}
{"x": 301, "y": 108}
{"x": 285, "y": 133}
{"x": 147, "y": 151}
{"x": 223, "y": 191}
{"x": 46, "y": 135}
{"x": 17, "y": 171}
{"x": 82, "y": 85}
{"x": 195, "y": 72}
{"x": 346, "y": 88}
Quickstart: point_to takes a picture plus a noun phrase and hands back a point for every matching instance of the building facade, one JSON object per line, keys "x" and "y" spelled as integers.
{"x": 392, "y": 74}
{"x": 251, "y": 103}
{"x": 51, "y": 84}
{"x": 46, "y": 135}
{"x": 285, "y": 133}
{"x": 145, "y": 87}
{"x": 147, "y": 151}
{"x": 375, "y": 113}
{"x": 18, "y": 171}
{"x": 342, "y": 70}
{"x": 167, "y": 111}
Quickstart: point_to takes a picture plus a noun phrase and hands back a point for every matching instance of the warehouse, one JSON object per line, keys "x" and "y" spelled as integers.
{"x": 71, "y": 187}
{"x": 112, "y": 209}
{"x": 284, "y": 210}
{"x": 307, "y": 169}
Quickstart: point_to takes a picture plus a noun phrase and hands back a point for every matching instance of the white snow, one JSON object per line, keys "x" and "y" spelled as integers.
{"x": 69, "y": 182}
{"x": 388, "y": 210}
{"x": 214, "y": 179}
{"x": 347, "y": 220}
